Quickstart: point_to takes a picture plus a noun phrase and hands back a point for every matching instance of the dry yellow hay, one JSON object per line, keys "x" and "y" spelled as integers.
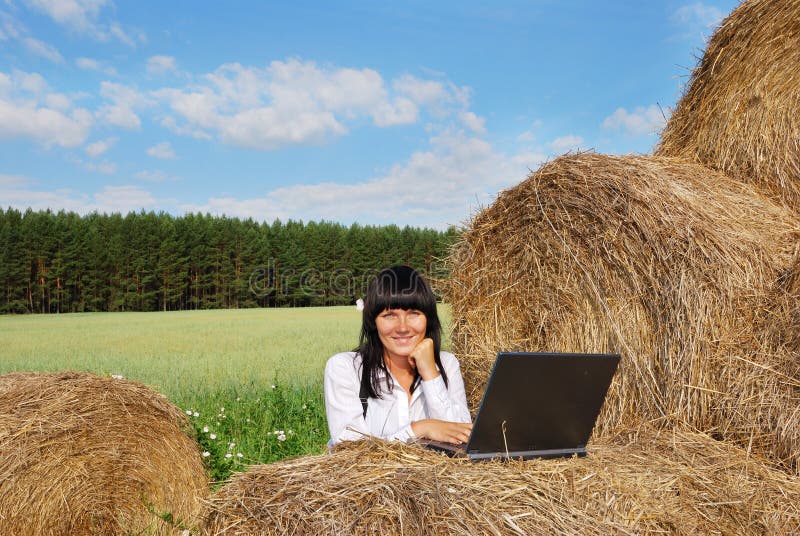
{"x": 741, "y": 110}
{"x": 646, "y": 483}
{"x": 666, "y": 262}
{"x": 81, "y": 454}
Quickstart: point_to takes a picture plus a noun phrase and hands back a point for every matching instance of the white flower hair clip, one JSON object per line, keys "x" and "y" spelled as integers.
{"x": 359, "y": 304}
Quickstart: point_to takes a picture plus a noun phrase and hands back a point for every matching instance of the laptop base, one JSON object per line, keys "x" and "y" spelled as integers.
{"x": 459, "y": 451}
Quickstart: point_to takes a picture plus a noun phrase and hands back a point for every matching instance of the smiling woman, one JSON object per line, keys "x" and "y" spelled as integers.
{"x": 397, "y": 384}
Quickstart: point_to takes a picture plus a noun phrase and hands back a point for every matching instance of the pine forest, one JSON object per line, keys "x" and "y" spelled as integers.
{"x": 64, "y": 262}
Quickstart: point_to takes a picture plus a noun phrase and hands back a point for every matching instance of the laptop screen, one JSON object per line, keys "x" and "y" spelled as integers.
{"x": 541, "y": 401}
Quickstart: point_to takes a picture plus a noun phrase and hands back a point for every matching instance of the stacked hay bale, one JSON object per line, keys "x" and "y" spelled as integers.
{"x": 669, "y": 263}
{"x": 81, "y": 454}
{"x": 741, "y": 111}
{"x": 668, "y": 482}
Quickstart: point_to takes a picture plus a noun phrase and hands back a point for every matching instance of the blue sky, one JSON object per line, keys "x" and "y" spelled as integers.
{"x": 411, "y": 113}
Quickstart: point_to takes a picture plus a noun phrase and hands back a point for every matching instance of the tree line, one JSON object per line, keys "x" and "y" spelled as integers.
{"x": 144, "y": 261}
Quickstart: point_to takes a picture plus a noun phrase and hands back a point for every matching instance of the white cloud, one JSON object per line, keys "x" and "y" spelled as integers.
{"x": 162, "y": 150}
{"x": 698, "y": 13}
{"x": 120, "y": 116}
{"x": 526, "y": 137}
{"x": 298, "y": 102}
{"x": 58, "y": 101}
{"x": 267, "y": 128}
{"x": 40, "y": 48}
{"x": 99, "y": 147}
{"x": 529, "y": 160}
{"x": 400, "y": 112}
{"x": 421, "y": 91}
{"x": 10, "y": 28}
{"x": 437, "y": 187}
{"x": 78, "y": 15}
{"x": 120, "y": 110}
{"x": 19, "y": 193}
{"x": 12, "y": 181}
{"x": 567, "y": 143}
{"x": 28, "y": 110}
{"x": 106, "y": 168}
{"x": 170, "y": 123}
{"x": 124, "y": 199}
{"x": 116, "y": 30}
{"x": 81, "y": 16}
{"x": 153, "y": 176}
{"x": 33, "y": 83}
{"x": 641, "y": 121}
{"x": 432, "y": 92}
{"x": 161, "y": 64}
{"x": 473, "y": 122}
{"x": 90, "y": 64}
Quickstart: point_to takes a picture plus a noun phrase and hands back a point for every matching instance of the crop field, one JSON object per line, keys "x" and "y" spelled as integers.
{"x": 250, "y": 380}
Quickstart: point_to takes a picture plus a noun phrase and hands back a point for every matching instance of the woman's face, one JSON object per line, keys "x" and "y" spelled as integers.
{"x": 400, "y": 330}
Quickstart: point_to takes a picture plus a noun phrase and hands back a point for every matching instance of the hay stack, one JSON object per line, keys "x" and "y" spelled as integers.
{"x": 666, "y": 262}
{"x": 741, "y": 111}
{"x": 80, "y": 454}
{"x": 678, "y": 483}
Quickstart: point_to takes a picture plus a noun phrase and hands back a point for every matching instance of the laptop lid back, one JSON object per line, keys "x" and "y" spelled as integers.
{"x": 540, "y": 403}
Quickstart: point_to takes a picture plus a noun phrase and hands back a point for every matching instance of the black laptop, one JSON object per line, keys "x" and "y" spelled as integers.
{"x": 537, "y": 405}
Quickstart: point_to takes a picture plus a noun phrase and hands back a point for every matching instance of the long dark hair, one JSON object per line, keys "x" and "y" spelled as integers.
{"x": 398, "y": 287}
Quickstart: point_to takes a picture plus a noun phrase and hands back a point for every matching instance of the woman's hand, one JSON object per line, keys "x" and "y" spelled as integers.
{"x": 421, "y": 358}
{"x": 449, "y": 432}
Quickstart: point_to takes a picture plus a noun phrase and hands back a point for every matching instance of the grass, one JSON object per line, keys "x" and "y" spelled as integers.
{"x": 263, "y": 366}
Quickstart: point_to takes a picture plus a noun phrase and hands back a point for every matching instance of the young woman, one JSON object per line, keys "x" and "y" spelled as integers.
{"x": 397, "y": 384}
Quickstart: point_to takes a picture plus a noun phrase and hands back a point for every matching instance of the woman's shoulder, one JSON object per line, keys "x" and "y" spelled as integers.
{"x": 343, "y": 360}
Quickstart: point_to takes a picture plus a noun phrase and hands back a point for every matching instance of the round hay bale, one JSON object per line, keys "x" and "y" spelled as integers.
{"x": 740, "y": 112}
{"x": 666, "y": 262}
{"x": 646, "y": 483}
{"x": 81, "y": 454}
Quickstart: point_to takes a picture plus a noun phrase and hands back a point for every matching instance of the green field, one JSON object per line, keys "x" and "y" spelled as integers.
{"x": 263, "y": 366}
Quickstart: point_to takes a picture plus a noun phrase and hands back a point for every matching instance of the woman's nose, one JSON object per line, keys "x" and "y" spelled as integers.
{"x": 402, "y": 323}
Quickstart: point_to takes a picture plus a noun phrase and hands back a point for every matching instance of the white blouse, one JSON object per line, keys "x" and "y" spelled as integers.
{"x": 389, "y": 417}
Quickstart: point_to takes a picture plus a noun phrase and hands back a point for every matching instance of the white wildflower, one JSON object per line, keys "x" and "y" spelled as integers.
{"x": 222, "y": 409}
{"x": 189, "y": 412}
{"x": 196, "y": 414}
{"x": 273, "y": 386}
{"x": 206, "y": 454}
{"x": 205, "y": 429}
{"x": 282, "y": 437}
{"x": 212, "y": 436}
{"x": 228, "y": 455}
{"x": 118, "y": 376}
{"x": 231, "y": 445}
{"x": 305, "y": 407}
{"x": 239, "y": 455}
